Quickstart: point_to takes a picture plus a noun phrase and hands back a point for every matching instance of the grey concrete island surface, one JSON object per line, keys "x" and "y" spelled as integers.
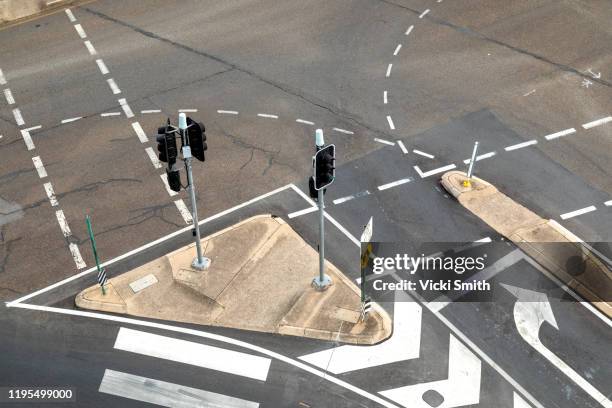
{"x": 259, "y": 279}
{"x": 544, "y": 240}
{"x": 18, "y": 10}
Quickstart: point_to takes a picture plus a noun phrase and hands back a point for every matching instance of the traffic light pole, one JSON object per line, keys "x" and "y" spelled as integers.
{"x": 322, "y": 282}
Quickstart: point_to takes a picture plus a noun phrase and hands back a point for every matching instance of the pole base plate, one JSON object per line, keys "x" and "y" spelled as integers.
{"x": 321, "y": 285}
{"x": 200, "y": 266}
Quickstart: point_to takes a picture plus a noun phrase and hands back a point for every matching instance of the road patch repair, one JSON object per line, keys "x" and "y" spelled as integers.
{"x": 554, "y": 248}
{"x": 259, "y": 279}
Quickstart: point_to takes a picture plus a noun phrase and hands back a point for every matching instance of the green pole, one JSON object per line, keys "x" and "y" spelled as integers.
{"x": 93, "y": 246}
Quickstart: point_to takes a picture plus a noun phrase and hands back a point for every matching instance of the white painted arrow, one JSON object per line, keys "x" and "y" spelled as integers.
{"x": 462, "y": 387}
{"x": 403, "y": 345}
{"x": 531, "y": 310}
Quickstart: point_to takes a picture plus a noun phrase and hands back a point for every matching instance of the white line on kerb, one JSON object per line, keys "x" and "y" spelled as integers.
{"x": 434, "y": 171}
{"x": 397, "y": 49}
{"x": 40, "y": 168}
{"x": 390, "y": 122}
{"x": 306, "y": 122}
{"x": 76, "y": 255}
{"x": 27, "y": 139}
{"x": 420, "y": 153}
{"x": 302, "y": 212}
{"x": 608, "y": 203}
{"x": 578, "y": 212}
{"x": 520, "y": 145}
{"x": 18, "y": 117}
{"x": 102, "y": 66}
{"x": 51, "y": 195}
{"x": 126, "y": 108}
{"x": 187, "y": 110}
{"x": 70, "y": 15}
{"x": 401, "y": 146}
{"x": 9, "y": 96}
{"x": 481, "y": 157}
{"x": 409, "y": 30}
{"x": 71, "y": 119}
{"x": 394, "y": 184}
{"x": 597, "y": 122}
{"x": 388, "y": 74}
{"x": 227, "y": 112}
{"x": 385, "y": 97}
{"x": 80, "y": 31}
{"x": 348, "y": 132}
{"x": 151, "y": 111}
{"x": 164, "y": 178}
{"x": 113, "y": 86}
{"x": 139, "y": 132}
{"x": 423, "y": 14}
{"x": 110, "y": 114}
{"x": 180, "y": 204}
{"x": 267, "y": 115}
{"x": 560, "y": 134}
{"x": 90, "y": 47}
{"x": 153, "y": 157}
{"x": 383, "y": 141}
{"x": 2, "y": 78}
{"x": 61, "y": 219}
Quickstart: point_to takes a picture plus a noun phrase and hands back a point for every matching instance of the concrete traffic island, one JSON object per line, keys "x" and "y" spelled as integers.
{"x": 259, "y": 279}
{"x": 568, "y": 260}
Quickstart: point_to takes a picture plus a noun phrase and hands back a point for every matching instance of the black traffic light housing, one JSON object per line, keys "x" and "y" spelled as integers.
{"x": 196, "y": 133}
{"x": 325, "y": 167}
{"x": 174, "y": 180}
{"x": 166, "y": 145}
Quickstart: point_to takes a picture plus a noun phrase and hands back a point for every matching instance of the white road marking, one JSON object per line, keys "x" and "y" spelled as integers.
{"x": 2, "y": 78}
{"x": 27, "y": 139}
{"x": 113, "y": 86}
{"x": 401, "y": 145}
{"x": 397, "y": 49}
{"x": 597, "y": 122}
{"x": 187, "y": 110}
{"x": 429, "y": 156}
{"x": 351, "y": 197}
{"x": 306, "y": 122}
{"x": 9, "y": 96}
{"x": 481, "y": 157}
{"x": 388, "y": 74}
{"x": 608, "y": 203}
{"x": 70, "y": 15}
{"x": 165, "y": 394}
{"x": 40, "y": 168}
{"x": 519, "y": 402}
{"x": 385, "y": 97}
{"x": 302, "y": 212}
{"x": 196, "y": 354}
{"x": 409, "y": 30}
{"x": 126, "y": 108}
{"x": 71, "y": 119}
{"x": 520, "y": 145}
{"x": 560, "y": 134}
{"x": 227, "y": 112}
{"x": 153, "y": 156}
{"x": 51, "y": 196}
{"x": 390, "y": 121}
{"x": 150, "y": 111}
{"x": 164, "y": 178}
{"x": 423, "y": 14}
{"x": 185, "y": 213}
{"x": 434, "y": 171}
{"x": 267, "y": 115}
{"x": 80, "y": 31}
{"x": 32, "y": 128}
{"x": 102, "y": 66}
{"x": 483, "y": 240}
{"x": 348, "y": 132}
{"x": 576, "y": 213}
{"x": 61, "y": 219}
{"x": 76, "y": 255}
{"x": 18, "y": 117}
{"x": 110, "y": 114}
{"x": 383, "y": 141}
{"x": 139, "y": 132}
{"x": 90, "y": 47}
{"x": 394, "y": 184}
{"x": 529, "y": 93}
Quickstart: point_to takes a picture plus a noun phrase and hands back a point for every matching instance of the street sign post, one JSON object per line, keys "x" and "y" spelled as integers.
{"x": 468, "y": 182}
{"x": 101, "y": 271}
{"x": 366, "y": 237}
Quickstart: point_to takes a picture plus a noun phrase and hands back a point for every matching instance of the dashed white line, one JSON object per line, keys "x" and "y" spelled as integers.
{"x": 423, "y": 14}
{"x": 434, "y": 171}
{"x": 578, "y": 212}
{"x": 139, "y": 132}
{"x": 71, "y": 119}
{"x": 348, "y": 132}
{"x": 227, "y": 112}
{"x": 390, "y": 122}
{"x": 394, "y": 184}
{"x": 164, "y": 178}
{"x": 76, "y": 255}
{"x": 90, "y": 47}
{"x": 351, "y": 197}
{"x": 302, "y": 212}
{"x": 401, "y": 146}
{"x": 409, "y": 30}
{"x": 180, "y": 205}
{"x": 388, "y": 74}
{"x": 150, "y": 111}
{"x": 104, "y": 115}
{"x": 529, "y": 93}
{"x": 267, "y": 115}
{"x": 397, "y": 49}
{"x": 61, "y": 219}
{"x": 608, "y": 203}
{"x": 560, "y": 134}
{"x": 102, "y": 67}
{"x": 40, "y": 168}
{"x": 80, "y": 31}
{"x": 18, "y": 117}
{"x": 306, "y": 122}
{"x": 597, "y": 122}
{"x": 187, "y": 110}
{"x": 27, "y": 139}
{"x": 2, "y": 78}
{"x": 126, "y": 108}
{"x": 481, "y": 157}
{"x": 383, "y": 141}
{"x": 52, "y": 198}
{"x": 520, "y": 145}
{"x": 9, "y": 96}
{"x": 385, "y": 97}
{"x": 70, "y": 15}
{"x": 156, "y": 163}
{"x": 113, "y": 86}
{"x": 420, "y": 153}
{"x": 32, "y": 128}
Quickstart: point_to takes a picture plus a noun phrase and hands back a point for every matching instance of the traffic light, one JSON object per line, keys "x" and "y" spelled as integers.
{"x": 325, "y": 169}
{"x": 174, "y": 180}
{"x": 166, "y": 145}
{"x": 197, "y": 138}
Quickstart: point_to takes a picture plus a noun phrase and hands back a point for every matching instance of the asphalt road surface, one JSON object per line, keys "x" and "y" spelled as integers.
{"x": 403, "y": 88}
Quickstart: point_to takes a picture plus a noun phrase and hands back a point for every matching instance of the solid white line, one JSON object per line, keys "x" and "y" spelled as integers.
{"x": 90, "y": 47}
{"x": 113, "y": 86}
{"x": 2, "y": 78}
{"x": 102, "y": 66}
{"x": 180, "y": 205}
{"x": 423, "y": 14}
{"x": 153, "y": 157}
{"x": 187, "y": 110}
{"x": 520, "y": 145}
{"x": 561, "y": 133}
{"x": 397, "y": 49}
{"x": 76, "y": 255}
{"x": 348, "y": 132}
{"x": 434, "y": 171}
{"x": 409, "y": 30}
{"x": 80, "y": 31}
{"x": 306, "y": 122}
{"x": 32, "y": 128}
{"x": 192, "y": 353}
{"x": 401, "y": 145}
{"x": 139, "y": 132}
{"x": 429, "y": 156}
{"x": 164, "y": 178}
{"x": 110, "y": 114}
{"x": 485, "y": 240}
{"x": 165, "y": 394}
{"x": 385, "y": 97}
{"x": 388, "y": 74}
{"x": 27, "y": 139}
{"x": 390, "y": 121}
{"x": 151, "y": 111}
{"x": 608, "y": 203}
{"x": 394, "y": 184}
{"x": 9, "y": 96}
{"x": 227, "y": 112}
{"x": 51, "y": 196}
{"x": 302, "y": 212}
{"x": 578, "y": 212}
{"x": 40, "y": 168}
{"x": 597, "y": 122}
{"x": 61, "y": 219}
{"x": 267, "y": 115}
{"x": 481, "y": 157}
{"x": 70, "y": 15}
{"x": 383, "y": 141}
{"x": 18, "y": 117}
{"x": 71, "y": 119}
{"x": 351, "y": 197}
{"x": 126, "y": 108}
